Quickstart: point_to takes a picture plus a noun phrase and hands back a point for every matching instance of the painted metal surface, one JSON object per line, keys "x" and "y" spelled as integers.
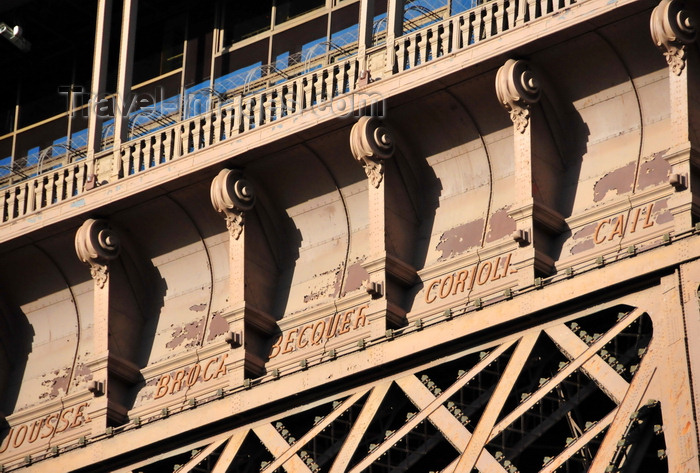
{"x": 327, "y": 327}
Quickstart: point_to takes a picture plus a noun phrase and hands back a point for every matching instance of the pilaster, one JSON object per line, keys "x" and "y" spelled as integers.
{"x": 537, "y": 223}
{"x": 674, "y": 30}
{"x": 98, "y": 245}
{"x": 372, "y": 145}
{"x": 249, "y": 326}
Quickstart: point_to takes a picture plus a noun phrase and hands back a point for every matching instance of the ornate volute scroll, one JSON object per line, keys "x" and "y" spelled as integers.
{"x": 97, "y": 244}
{"x": 371, "y": 142}
{"x": 672, "y": 28}
{"x": 232, "y": 195}
{"x": 517, "y": 88}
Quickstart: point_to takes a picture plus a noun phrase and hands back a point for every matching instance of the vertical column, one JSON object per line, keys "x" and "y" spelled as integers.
{"x": 97, "y": 245}
{"x": 366, "y": 29}
{"x": 518, "y": 89}
{"x": 690, "y": 299}
{"x": 394, "y": 29}
{"x": 97, "y": 88}
{"x": 124, "y": 78}
{"x": 371, "y": 144}
{"x": 673, "y": 29}
{"x": 249, "y": 327}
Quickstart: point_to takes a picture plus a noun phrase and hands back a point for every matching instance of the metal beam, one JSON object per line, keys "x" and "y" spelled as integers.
{"x": 315, "y": 430}
{"x": 360, "y": 427}
{"x": 475, "y": 448}
{"x": 277, "y": 445}
{"x": 99, "y": 80}
{"x": 124, "y": 78}
{"x": 230, "y": 450}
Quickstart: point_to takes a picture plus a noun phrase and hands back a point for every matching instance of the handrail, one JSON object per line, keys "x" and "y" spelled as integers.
{"x": 242, "y": 113}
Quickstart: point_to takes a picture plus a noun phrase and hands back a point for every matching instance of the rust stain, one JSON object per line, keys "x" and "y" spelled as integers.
{"x": 653, "y": 172}
{"x": 501, "y": 224}
{"x": 218, "y": 326}
{"x": 619, "y": 180}
{"x": 687, "y": 428}
{"x": 191, "y": 331}
{"x": 198, "y": 307}
{"x": 460, "y": 239}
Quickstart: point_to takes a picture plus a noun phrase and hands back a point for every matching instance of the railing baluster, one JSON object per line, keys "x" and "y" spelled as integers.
{"x": 422, "y": 45}
{"x": 196, "y": 127}
{"x": 60, "y": 185}
{"x": 308, "y": 92}
{"x": 50, "y": 188}
{"x": 80, "y": 179}
{"x": 13, "y": 203}
{"x": 351, "y": 75}
{"x": 3, "y": 206}
{"x": 207, "y": 131}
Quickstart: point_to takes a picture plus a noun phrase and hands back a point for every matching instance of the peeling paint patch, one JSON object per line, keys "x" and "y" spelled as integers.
{"x": 198, "y": 307}
{"x": 586, "y": 236}
{"x": 653, "y": 172}
{"x": 664, "y": 215}
{"x": 190, "y": 332}
{"x": 619, "y": 180}
{"x": 325, "y": 289}
{"x": 500, "y": 224}
{"x": 582, "y": 246}
{"x": 217, "y": 327}
{"x": 82, "y": 374}
{"x": 78, "y": 203}
{"x": 460, "y": 239}
{"x": 57, "y": 384}
{"x": 357, "y": 275}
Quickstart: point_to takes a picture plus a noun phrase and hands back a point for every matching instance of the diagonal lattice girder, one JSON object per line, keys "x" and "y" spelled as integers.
{"x": 470, "y": 445}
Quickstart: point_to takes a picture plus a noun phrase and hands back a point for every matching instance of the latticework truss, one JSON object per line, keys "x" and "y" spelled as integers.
{"x": 569, "y": 396}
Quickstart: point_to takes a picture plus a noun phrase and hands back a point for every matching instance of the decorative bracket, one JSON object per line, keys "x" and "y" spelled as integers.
{"x": 97, "y": 244}
{"x": 371, "y": 143}
{"x": 517, "y": 88}
{"x": 232, "y": 195}
{"x": 672, "y": 28}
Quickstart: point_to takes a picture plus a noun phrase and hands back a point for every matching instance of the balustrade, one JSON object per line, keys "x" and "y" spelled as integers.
{"x": 296, "y": 95}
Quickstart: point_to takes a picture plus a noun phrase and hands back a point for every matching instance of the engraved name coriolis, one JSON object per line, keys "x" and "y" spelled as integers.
{"x": 479, "y": 274}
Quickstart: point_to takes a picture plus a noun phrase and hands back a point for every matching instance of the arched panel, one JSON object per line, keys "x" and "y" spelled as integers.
{"x": 606, "y": 103}
{"x": 48, "y": 306}
{"x": 320, "y": 221}
{"x": 175, "y": 248}
{"x": 461, "y": 164}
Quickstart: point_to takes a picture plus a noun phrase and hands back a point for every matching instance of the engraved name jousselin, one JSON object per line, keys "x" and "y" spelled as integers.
{"x": 479, "y": 274}
{"x": 46, "y": 427}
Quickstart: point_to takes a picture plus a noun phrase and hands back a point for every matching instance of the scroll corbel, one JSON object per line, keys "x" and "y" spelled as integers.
{"x": 517, "y": 88}
{"x": 371, "y": 143}
{"x": 672, "y": 29}
{"x": 232, "y": 195}
{"x": 96, "y": 244}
